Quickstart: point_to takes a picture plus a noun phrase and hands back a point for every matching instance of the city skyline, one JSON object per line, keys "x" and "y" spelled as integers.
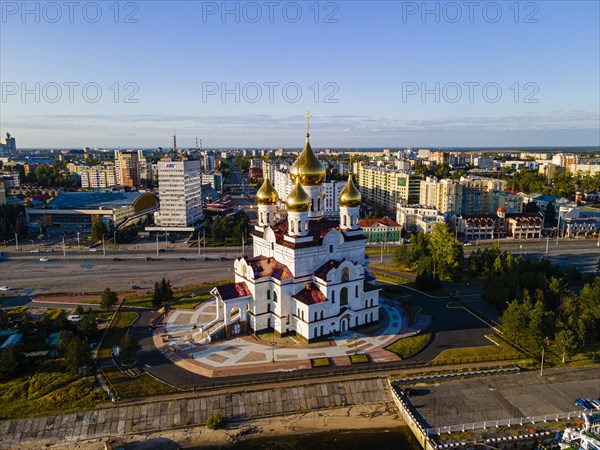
{"x": 441, "y": 74}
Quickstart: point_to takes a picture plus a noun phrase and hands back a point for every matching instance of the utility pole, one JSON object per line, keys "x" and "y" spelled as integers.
{"x": 198, "y": 244}
{"x": 542, "y": 366}
{"x": 63, "y": 245}
{"x": 547, "y": 243}
{"x": 16, "y": 242}
{"x": 78, "y": 233}
{"x": 156, "y": 243}
{"x": 103, "y": 248}
{"x": 243, "y": 246}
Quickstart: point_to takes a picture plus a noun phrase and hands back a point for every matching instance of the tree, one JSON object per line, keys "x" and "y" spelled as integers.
{"x": 109, "y": 298}
{"x": 565, "y": 342}
{"x": 447, "y": 254}
{"x": 64, "y": 337}
{"x": 99, "y": 230}
{"x": 87, "y": 328}
{"x": 163, "y": 293}
{"x": 128, "y": 345}
{"x": 76, "y": 355}
{"x": 13, "y": 362}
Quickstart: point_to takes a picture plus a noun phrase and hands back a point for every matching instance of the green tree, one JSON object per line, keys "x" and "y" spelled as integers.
{"x": 447, "y": 254}
{"x": 163, "y": 293}
{"x": 128, "y": 345}
{"x": 64, "y": 337}
{"x": 87, "y": 329}
{"x": 157, "y": 297}
{"x": 76, "y": 355}
{"x": 99, "y": 230}
{"x": 108, "y": 299}
{"x": 13, "y": 362}
{"x": 565, "y": 343}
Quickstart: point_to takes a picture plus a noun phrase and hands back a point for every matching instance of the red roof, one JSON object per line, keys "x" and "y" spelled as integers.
{"x": 501, "y": 210}
{"x": 233, "y": 290}
{"x": 322, "y": 271}
{"x": 366, "y": 223}
{"x": 269, "y": 267}
{"x": 310, "y": 295}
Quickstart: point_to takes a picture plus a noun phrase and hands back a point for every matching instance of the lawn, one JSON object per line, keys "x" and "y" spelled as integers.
{"x": 359, "y": 359}
{"x": 407, "y": 347}
{"x": 142, "y": 386}
{"x": 116, "y": 332}
{"x": 320, "y": 362}
{"x": 48, "y": 391}
{"x": 501, "y": 352}
{"x": 191, "y": 302}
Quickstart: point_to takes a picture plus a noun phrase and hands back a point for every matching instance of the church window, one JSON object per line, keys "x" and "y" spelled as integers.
{"x": 356, "y": 291}
{"x": 268, "y": 214}
{"x": 244, "y": 271}
{"x": 319, "y": 204}
{"x": 292, "y": 226}
{"x": 321, "y": 315}
{"x": 321, "y": 330}
{"x": 332, "y": 296}
{"x": 345, "y": 274}
{"x": 262, "y": 217}
{"x": 316, "y": 316}
{"x": 268, "y": 307}
{"x": 344, "y": 219}
{"x": 371, "y": 317}
{"x": 331, "y": 248}
{"x": 344, "y": 296}
{"x": 268, "y": 294}
{"x": 269, "y": 322}
{"x": 275, "y": 296}
{"x": 302, "y": 314}
{"x": 312, "y": 204}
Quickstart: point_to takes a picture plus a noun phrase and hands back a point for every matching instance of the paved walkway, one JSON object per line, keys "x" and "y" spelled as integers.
{"x": 180, "y": 335}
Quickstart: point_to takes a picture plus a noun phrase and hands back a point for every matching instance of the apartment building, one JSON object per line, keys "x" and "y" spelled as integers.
{"x": 179, "y": 184}
{"x": 443, "y": 195}
{"x": 127, "y": 168}
{"x": 388, "y": 187}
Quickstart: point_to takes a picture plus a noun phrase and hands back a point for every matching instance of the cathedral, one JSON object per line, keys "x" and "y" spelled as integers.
{"x": 308, "y": 276}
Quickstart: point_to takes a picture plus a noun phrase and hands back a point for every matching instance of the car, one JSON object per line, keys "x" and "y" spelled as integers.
{"x": 93, "y": 249}
{"x": 35, "y": 250}
{"x": 468, "y": 244}
{"x": 182, "y": 259}
{"x": 135, "y": 286}
{"x": 149, "y": 258}
{"x": 74, "y": 318}
{"x": 4, "y": 288}
{"x": 44, "y": 259}
{"x": 117, "y": 259}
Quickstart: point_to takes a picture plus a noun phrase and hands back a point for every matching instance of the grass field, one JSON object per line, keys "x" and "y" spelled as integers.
{"x": 320, "y": 362}
{"x": 142, "y": 386}
{"x": 116, "y": 332}
{"x": 502, "y": 351}
{"x": 191, "y": 302}
{"x": 48, "y": 391}
{"x": 406, "y": 347}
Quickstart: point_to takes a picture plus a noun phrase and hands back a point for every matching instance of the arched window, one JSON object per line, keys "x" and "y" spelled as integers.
{"x": 275, "y": 296}
{"x": 269, "y": 322}
{"x": 321, "y": 317}
{"x": 268, "y": 215}
{"x": 312, "y": 204}
{"x": 244, "y": 271}
{"x": 321, "y": 330}
{"x": 268, "y": 307}
{"x": 371, "y": 317}
{"x": 345, "y": 274}
{"x": 366, "y": 318}
{"x": 344, "y": 296}
{"x": 262, "y": 217}
{"x": 302, "y": 314}
{"x": 292, "y": 226}
{"x": 316, "y": 316}
{"x": 344, "y": 219}
{"x": 356, "y": 291}
{"x": 331, "y": 248}
{"x": 319, "y": 204}
{"x": 332, "y": 296}
{"x": 268, "y": 294}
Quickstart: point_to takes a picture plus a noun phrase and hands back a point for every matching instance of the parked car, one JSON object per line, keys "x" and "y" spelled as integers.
{"x": 148, "y": 258}
{"x": 116, "y": 259}
{"x": 4, "y": 288}
{"x": 182, "y": 259}
{"x": 468, "y": 244}
{"x": 44, "y": 259}
{"x": 93, "y": 249}
{"x": 35, "y": 250}
{"x": 74, "y": 318}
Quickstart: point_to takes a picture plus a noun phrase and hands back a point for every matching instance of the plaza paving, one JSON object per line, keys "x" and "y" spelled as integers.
{"x": 180, "y": 337}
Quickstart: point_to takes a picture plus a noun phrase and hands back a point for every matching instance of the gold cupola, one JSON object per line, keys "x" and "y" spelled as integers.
{"x": 307, "y": 168}
{"x": 350, "y": 196}
{"x": 298, "y": 200}
{"x": 267, "y": 195}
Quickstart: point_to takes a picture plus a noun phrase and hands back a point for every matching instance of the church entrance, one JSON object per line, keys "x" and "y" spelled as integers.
{"x": 344, "y": 325}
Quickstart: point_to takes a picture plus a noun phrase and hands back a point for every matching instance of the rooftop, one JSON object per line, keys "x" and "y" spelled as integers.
{"x": 93, "y": 200}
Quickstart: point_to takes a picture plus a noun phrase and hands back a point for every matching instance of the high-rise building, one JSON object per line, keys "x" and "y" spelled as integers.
{"x": 388, "y": 187}
{"x": 477, "y": 194}
{"x": 179, "y": 184}
{"x": 127, "y": 166}
{"x": 8, "y": 146}
{"x": 443, "y": 195}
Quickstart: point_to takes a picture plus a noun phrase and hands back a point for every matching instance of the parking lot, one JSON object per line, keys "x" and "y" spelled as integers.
{"x": 506, "y": 396}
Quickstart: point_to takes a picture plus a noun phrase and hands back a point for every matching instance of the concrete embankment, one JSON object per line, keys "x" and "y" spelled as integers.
{"x": 173, "y": 414}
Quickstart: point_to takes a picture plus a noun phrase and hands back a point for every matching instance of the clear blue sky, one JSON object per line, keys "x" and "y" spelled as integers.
{"x": 374, "y": 56}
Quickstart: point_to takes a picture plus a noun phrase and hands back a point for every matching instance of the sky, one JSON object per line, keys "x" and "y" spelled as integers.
{"x": 243, "y": 74}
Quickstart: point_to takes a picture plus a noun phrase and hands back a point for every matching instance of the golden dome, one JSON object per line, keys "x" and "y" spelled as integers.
{"x": 298, "y": 200}
{"x": 308, "y": 166}
{"x": 267, "y": 195}
{"x": 350, "y": 197}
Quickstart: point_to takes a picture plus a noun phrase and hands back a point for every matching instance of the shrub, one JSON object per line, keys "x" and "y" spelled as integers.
{"x": 216, "y": 422}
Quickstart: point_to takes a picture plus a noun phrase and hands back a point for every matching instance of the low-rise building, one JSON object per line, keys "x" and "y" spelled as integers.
{"x": 380, "y": 230}
{"x": 417, "y": 218}
{"x": 79, "y": 210}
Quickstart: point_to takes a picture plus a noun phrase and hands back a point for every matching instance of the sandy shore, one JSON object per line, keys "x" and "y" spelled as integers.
{"x": 362, "y": 417}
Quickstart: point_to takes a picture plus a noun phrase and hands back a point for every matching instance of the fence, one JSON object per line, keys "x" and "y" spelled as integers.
{"x": 520, "y": 421}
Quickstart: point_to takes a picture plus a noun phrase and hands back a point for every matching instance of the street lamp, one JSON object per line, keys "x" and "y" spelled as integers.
{"x": 355, "y": 339}
{"x": 16, "y": 242}
{"x": 542, "y": 365}
{"x": 78, "y": 233}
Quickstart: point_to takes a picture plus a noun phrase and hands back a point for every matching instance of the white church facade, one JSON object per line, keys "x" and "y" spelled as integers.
{"x": 309, "y": 274}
